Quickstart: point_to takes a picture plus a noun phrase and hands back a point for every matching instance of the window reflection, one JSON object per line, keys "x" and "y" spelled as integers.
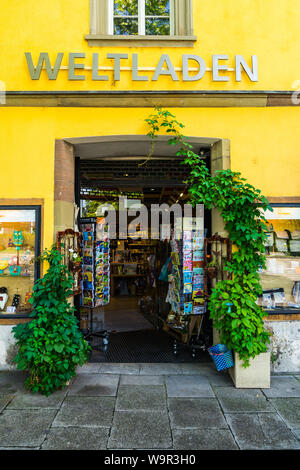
{"x": 281, "y": 278}
{"x": 17, "y": 253}
{"x": 144, "y": 17}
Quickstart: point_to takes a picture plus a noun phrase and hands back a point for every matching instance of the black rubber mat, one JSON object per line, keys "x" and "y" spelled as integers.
{"x": 143, "y": 346}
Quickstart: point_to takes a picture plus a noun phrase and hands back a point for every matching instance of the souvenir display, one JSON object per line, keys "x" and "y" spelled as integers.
{"x": 16, "y": 301}
{"x": 102, "y": 263}
{"x": 18, "y": 252}
{"x": 15, "y": 268}
{"x": 186, "y": 292}
{"x": 3, "y": 297}
{"x": 95, "y": 263}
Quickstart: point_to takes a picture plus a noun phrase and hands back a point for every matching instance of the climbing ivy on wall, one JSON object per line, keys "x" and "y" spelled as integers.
{"x": 241, "y": 206}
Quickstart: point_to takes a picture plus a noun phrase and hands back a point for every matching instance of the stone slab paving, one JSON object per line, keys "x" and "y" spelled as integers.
{"x": 150, "y": 406}
{"x": 201, "y": 413}
{"x": 289, "y": 410}
{"x": 141, "y": 397}
{"x": 27, "y": 400}
{"x": 128, "y": 369}
{"x": 241, "y": 400}
{"x": 90, "y": 368}
{"x": 261, "y": 431}
{"x": 204, "y": 439}
{"x": 4, "y": 401}
{"x": 95, "y": 385}
{"x": 142, "y": 380}
{"x": 85, "y": 411}
{"x": 283, "y": 387}
{"x": 12, "y": 382}
{"x": 161, "y": 369}
{"x": 188, "y": 386}
{"x": 25, "y": 428}
{"x": 140, "y": 430}
{"x": 76, "y": 438}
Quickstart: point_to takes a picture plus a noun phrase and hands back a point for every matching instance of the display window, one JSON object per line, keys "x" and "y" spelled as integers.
{"x": 19, "y": 248}
{"x": 281, "y": 278}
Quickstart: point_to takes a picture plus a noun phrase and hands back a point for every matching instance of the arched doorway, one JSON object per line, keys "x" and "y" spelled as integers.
{"x": 96, "y": 168}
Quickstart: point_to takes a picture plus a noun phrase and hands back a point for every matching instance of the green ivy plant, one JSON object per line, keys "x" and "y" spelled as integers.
{"x": 232, "y": 304}
{"x": 51, "y": 344}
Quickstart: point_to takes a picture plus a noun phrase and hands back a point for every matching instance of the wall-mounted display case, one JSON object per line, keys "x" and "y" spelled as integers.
{"x": 281, "y": 278}
{"x": 20, "y": 228}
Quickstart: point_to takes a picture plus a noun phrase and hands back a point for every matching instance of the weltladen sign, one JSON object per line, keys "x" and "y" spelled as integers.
{"x": 193, "y": 67}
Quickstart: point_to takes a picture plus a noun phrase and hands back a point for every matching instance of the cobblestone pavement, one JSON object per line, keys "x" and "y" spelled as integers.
{"x": 150, "y": 406}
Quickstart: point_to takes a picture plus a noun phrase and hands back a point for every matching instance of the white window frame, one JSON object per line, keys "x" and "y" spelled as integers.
{"x": 141, "y": 18}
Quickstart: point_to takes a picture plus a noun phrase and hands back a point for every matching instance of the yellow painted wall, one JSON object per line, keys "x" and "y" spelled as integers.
{"x": 264, "y": 141}
{"x": 264, "y": 144}
{"x": 267, "y": 28}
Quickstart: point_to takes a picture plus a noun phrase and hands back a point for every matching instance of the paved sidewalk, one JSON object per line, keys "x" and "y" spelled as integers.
{"x": 150, "y": 406}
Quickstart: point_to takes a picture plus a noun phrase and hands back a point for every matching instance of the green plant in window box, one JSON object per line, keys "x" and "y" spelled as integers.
{"x": 51, "y": 344}
{"x": 241, "y": 205}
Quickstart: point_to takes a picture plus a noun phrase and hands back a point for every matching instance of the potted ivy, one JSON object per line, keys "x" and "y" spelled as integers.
{"x": 241, "y": 207}
{"x": 51, "y": 345}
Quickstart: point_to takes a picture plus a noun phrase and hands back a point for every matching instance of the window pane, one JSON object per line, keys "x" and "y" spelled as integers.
{"x": 126, "y": 8}
{"x": 17, "y": 253}
{"x": 281, "y": 278}
{"x": 157, "y": 26}
{"x": 157, "y": 7}
{"x": 125, "y": 26}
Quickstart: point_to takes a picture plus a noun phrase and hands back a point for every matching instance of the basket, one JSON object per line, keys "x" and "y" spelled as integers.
{"x": 221, "y": 356}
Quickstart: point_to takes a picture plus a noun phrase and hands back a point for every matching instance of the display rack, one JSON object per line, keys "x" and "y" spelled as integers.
{"x": 95, "y": 262}
{"x": 187, "y": 292}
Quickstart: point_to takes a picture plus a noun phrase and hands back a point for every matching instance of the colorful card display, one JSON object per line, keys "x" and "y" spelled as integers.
{"x": 188, "y": 308}
{"x": 187, "y": 265}
{"x": 198, "y": 255}
{"x": 95, "y": 264}
{"x": 187, "y": 277}
{"x": 186, "y": 292}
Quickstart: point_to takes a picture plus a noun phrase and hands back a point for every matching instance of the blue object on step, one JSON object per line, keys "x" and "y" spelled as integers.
{"x": 221, "y": 356}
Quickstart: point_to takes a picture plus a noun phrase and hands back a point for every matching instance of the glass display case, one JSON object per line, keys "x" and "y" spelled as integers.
{"x": 19, "y": 247}
{"x": 281, "y": 278}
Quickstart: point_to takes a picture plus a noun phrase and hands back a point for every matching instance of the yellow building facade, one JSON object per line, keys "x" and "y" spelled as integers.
{"x": 230, "y": 72}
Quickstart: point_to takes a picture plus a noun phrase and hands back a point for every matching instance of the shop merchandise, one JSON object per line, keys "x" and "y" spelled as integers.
{"x": 95, "y": 262}
{"x": 3, "y": 297}
{"x": 16, "y": 301}
{"x": 186, "y": 292}
{"x": 15, "y": 268}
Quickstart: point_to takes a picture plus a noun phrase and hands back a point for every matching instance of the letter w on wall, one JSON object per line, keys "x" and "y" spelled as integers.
{"x": 35, "y": 72}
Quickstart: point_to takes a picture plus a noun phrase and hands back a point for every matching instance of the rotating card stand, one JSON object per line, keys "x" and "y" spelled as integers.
{"x": 95, "y": 274}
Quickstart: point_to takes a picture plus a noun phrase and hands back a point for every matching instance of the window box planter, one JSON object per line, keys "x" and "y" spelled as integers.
{"x": 257, "y": 375}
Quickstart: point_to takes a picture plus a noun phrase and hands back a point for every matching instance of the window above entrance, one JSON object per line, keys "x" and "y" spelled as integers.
{"x": 142, "y": 17}
{"x": 141, "y": 23}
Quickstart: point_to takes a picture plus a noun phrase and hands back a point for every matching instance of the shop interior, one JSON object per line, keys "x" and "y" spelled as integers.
{"x": 134, "y": 304}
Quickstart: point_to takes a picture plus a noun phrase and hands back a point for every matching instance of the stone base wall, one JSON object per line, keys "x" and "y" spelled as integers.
{"x": 8, "y": 348}
{"x": 285, "y": 345}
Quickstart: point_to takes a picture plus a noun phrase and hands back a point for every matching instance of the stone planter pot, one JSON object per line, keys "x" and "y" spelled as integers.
{"x": 257, "y": 375}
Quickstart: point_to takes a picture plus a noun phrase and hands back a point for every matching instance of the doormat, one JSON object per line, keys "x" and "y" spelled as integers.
{"x": 147, "y": 346}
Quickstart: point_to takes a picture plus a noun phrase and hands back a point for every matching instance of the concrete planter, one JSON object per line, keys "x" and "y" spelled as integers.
{"x": 257, "y": 375}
